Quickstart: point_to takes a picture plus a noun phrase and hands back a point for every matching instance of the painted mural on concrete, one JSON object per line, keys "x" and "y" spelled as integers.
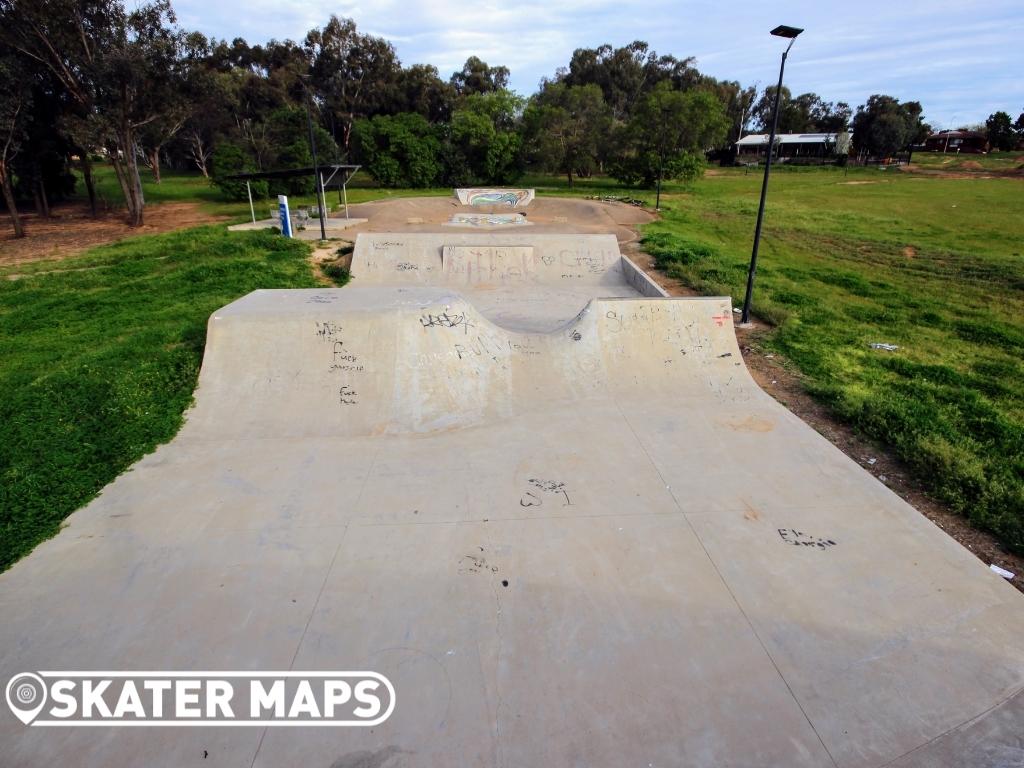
{"x": 488, "y": 220}
{"x": 513, "y": 198}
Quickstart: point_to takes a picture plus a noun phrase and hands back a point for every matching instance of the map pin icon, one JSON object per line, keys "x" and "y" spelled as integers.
{"x": 26, "y": 695}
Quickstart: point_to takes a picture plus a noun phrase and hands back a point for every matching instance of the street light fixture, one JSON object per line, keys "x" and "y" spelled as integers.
{"x": 790, "y": 33}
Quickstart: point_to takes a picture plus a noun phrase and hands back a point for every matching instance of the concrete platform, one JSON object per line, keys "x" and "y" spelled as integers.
{"x": 333, "y": 227}
{"x": 568, "y": 527}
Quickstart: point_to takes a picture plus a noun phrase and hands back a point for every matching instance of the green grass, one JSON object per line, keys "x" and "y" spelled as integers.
{"x": 933, "y": 265}
{"x": 187, "y": 186}
{"x": 101, "y": 357}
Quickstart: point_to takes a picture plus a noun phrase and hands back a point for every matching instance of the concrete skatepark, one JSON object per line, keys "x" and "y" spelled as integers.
{"x": 549, "y": 504}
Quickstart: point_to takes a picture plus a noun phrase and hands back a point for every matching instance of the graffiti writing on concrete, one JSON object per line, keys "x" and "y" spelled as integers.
{"x": 590, "y": 262}
{"x": 475, "y": 564}
{"x": 327, "y": 330}
{"x": 444, "y": 320}
{"x": 343, "y": 360}
{"x": 534, "y": 498}
{"x": 405, "y": 266}
{"x": 493, "y": 347}
{"x": 797, "y": 538}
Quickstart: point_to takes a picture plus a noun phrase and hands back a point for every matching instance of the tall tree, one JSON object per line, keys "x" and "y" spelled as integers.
{"x": 806, "y": 113}
{"x": 114, "y": 65}
{"x": 355, "y": 75}
{"x": 884, "y": 126}
{"x": 421, "y": 90}
{"x": 565, "y": 126}
{"x": 999, "y": 130}
{"x": 668, "y": 135}
{"x": 625, "y": 74}
{"x": 477, "y": 77}
{"x": 14, "y": 106}
{"x": 483, "y": 144}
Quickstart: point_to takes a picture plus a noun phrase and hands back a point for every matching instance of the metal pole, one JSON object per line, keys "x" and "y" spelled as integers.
{"x": 316, "y": 169}
{"x": 344, "y": 191}
{"x": 252, "y": 210}
{"x": 745, "y": 318}
{"x": 657, "y": 201}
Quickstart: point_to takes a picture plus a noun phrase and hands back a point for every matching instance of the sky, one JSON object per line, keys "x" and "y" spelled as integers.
{"x": 962, "y": 60}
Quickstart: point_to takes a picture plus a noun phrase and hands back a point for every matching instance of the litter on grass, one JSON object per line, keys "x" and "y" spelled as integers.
{"x": 1001, "y": 572}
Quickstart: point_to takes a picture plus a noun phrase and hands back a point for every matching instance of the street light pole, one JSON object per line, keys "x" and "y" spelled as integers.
{"x": 316, "y": 167}
{"x": 791, "y": 33}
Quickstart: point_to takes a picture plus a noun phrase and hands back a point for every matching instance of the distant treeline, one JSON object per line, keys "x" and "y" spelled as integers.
{"x": 90, "y": 79}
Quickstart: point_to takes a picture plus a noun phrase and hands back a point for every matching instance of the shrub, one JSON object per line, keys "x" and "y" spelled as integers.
{"x": 399, "y": 150}
{"x": 229, "y": 159}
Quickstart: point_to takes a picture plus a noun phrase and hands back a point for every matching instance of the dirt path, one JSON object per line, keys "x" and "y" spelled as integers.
{"x": 783, "y": 382}
{"x": 70, "y": 230}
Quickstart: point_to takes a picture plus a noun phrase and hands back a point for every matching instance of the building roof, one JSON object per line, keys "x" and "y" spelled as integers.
{"x": 951, "y": 134}
{"x": 787, "y": 138}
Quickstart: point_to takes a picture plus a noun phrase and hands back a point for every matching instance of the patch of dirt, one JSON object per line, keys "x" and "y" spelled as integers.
{"x": 329, "y": 254}
{"x": 855, "y": 183}
{"x": 910, "y": 251}
{"x": 70, "y": 230}
{"x": 967, "y": 170}
{"x": 781, "y": 380}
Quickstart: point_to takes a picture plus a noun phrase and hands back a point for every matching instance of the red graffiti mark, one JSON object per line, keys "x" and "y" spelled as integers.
{"x": 719, "y": 319}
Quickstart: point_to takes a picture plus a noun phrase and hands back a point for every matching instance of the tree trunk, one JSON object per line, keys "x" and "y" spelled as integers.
{"x": 12, "y": 208}
{"x": 90, "y": 186}
{"x": 126, "y": 168}
{"x": 200, "y": 154}
{"x": 44, "y": 199}
{"x": 154, "y": 163}
{"x": 569, "y": 174}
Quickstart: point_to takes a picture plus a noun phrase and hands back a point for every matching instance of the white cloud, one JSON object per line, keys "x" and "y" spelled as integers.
{"x": 959, "y": 59}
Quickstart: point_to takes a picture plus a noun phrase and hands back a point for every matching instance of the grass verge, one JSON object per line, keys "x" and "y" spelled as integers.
{"x": 101, "y": 358}
{"x": 931, "y": 265}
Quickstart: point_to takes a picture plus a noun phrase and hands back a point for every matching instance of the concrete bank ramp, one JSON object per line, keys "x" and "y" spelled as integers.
{"x": 503, "y": 198}
{"x": 521, "y": 281}
{"x": 365, "y": 361}
{"x": 597, "y": 544}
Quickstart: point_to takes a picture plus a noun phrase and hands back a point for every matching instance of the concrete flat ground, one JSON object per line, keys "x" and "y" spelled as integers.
{"x": 567, "y": 526}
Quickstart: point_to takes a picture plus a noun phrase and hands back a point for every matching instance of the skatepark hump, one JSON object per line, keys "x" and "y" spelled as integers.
{"x": 551, "y": 506}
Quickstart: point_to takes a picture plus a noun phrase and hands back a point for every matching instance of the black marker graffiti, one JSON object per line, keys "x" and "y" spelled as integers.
{"x": 531, "y": 499}
{"x": 347, "y": 396}
{"x": 475, "y": 564}
{"x": 800, "y": 539}
{"x": 444, "y": 320}
{"x": 327, "y": 330}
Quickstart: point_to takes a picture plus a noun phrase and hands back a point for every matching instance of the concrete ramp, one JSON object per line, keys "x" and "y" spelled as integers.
{"x": 367, "y": 361}
{"x": 587, "y": 541}
{"x": 521, "y": 281}
{"x": 504, "y": 198}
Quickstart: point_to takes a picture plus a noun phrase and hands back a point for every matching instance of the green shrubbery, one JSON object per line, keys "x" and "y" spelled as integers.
{"x": 400, "y": 150}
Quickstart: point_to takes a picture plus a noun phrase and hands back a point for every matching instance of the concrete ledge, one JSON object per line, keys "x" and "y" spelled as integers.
{"x": 637, "y": 278}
